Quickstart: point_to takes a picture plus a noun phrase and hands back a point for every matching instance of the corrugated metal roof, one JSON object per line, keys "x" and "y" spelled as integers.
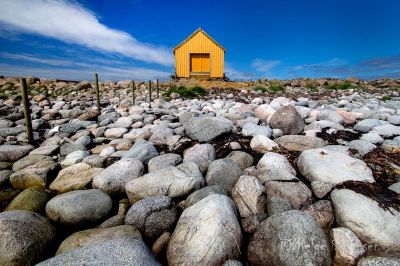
{"x": 193, "y": 34}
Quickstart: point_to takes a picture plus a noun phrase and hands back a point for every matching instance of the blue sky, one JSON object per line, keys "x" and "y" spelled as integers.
{"x": 133, "y": 39}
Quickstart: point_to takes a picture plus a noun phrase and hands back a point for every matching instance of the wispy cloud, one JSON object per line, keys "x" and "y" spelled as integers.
{"x": 264, "y": 66}
{"x": 41, "y": 60}
{"x": 335, "y": 65}
{"x": 105, "y": 73}
{"x": 234, "y": 74}
{"x": 380, "y": 63}
{"x": 366, "y": 69}
{"x": 71, "y": 22}
{"x": 61, "y": 68}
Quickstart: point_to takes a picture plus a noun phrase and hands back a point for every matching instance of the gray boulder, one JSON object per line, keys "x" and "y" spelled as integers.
{"x": 361, "y": 146}
{"x": 379, "y": 261}
{"x": 152, "y": 215}
{"x": 116, "y": 252}
{"x": 207, "y": 233}
{"x": 252, "y": 129}
{"x": 24, "y": 236}
{"x": 201, "y": 154}
{"x": 97, "y": 235}
{"x": 387, "y": 130}
{"x": 366, "y": 125}
{"x": 165, "y": 160}
{"x": 274, "y": 166}
{"x": 29, "y": 160}
{"x": 243, "y": 159}
{"x": 249, "y": 196}
{"x": 70, "y": 128}
{"x": 79, "y": 207}
{"x": 5, "y": 176}
{"x": 204, "y": 129}
{"x": 223, "y": 172}
{"x": 297, "y": 193}
{"x": 332, "y": 167}
{"x": 171, "y": 181}
{"x": 347, "y": 247}
{"x": 12, "y": 153}
{"x": 372, "y": 224}
{"x": 74, "y": 157}
{"x": 201, "y": 194}
{"x": 299, "y": 142}
{"x": 36, "y": 175}
{"x": 114, "y": 178}
{"x": 142, "y": 150}
{"x": 74, "y": 177}
{"x": 288, "y": 120}
{"x": 290, "y": 238}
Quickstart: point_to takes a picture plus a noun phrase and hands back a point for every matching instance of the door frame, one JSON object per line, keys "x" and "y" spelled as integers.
{"x": 207, "y": 73}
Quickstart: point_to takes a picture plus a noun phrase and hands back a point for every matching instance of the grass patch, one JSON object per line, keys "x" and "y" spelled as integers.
{"x": 260, "y": 88}
{"x": 276, "y": 88}
{"x": 313, "y": 88}
{"x": 340, "y": 86}
{"x": 386, "y": 98}
{"x": 273, "y": 88}
{"x": 185, "y": 92}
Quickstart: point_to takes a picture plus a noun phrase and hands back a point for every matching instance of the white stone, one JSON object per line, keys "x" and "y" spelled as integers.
{"x": 171, "y": 181}
{"x": 348, "y": 248}
{"x": 372, "y": 137}
{"x": 332, "y": 167}
{"x": 249, "y": 196}
{"x": 114, "y": 178}
{"x": 114, "y": 133}
{"x": 262, "y": 144}
{"x": 372, "y": 224}
{"x": 207, "y": 233}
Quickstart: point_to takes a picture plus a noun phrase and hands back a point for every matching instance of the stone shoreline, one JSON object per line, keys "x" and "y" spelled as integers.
{"x": 308, "y": 175}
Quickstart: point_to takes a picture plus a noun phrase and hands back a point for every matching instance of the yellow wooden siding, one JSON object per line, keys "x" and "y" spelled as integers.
{"x": 199, "y": 44}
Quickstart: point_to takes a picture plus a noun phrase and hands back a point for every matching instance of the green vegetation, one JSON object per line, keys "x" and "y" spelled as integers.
{"x": 386, "y": 98}
{"x": 260, "y": 88}
{"x": 276, "y": 88}
{"x": 185, "y": 92}
{"x": 313, "y": 88}
{"x": 340, "y": 86}
{"x": 273, "y": 88}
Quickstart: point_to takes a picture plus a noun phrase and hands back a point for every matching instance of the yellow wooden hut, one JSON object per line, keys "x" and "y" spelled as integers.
{"x": 199, "y": 56}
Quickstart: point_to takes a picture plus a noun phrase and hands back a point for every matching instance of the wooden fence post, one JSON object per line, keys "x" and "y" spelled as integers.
{"x": 27, "y": 111}
{"x": 96, "y": 82}
{"x": 158, "y": 90}
{"x": 133, "y": 92}
{"x": 149, "y": 91}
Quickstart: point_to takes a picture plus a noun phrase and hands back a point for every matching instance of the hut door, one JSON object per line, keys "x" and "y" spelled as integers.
{"x": 199, "y": 62}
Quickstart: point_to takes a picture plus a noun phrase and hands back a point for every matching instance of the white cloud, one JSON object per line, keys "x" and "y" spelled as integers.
{"x": 34, "y": 59}
{"x": 334, "y": 62}
{"x": 264, "y": 66}
{"x": 234, "y": 74}
{"x": 105, "y": 73}
{"x": 71, "y": 22}
{"x": 73, "y": 70}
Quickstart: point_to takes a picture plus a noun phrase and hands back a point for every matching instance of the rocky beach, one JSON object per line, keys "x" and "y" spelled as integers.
{"x": 270, "y": 172}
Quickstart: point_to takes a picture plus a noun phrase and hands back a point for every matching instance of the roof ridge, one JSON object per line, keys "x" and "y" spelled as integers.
{"x": 193, "y": 34}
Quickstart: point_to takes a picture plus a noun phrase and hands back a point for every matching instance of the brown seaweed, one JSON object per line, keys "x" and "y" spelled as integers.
{"x": 383, "y": 165}
{"x": 339, "y": 134}
{"x": 386, "y": 198}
